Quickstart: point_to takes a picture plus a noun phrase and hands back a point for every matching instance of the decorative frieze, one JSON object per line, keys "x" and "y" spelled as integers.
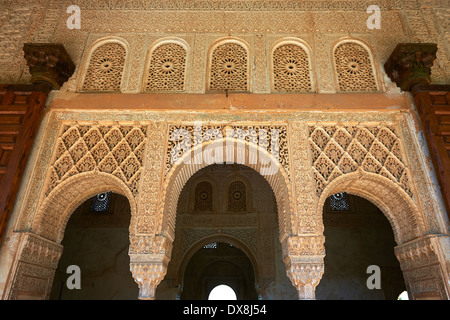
{"x": 184, "y": 138}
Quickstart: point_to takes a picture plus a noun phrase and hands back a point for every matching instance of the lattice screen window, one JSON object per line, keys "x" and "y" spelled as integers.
{"x": 203, "y": 197}
{"x": 291, "y": 69}
{"x": 166, "y": 71}
{"x": 212, "y": 245}
{"x": 229, "y": 68}
{"x": 339, "y": 202}
{"x": 105, "y": 68}
{"x": 354, "y": 68}
{"x": 100, "y": 203}
{"x": 237, "y": 197}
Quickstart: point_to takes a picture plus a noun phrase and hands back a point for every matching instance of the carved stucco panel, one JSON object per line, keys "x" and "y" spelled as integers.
{"x": 157, "y": 135}
{"x": 137, "y": 57}
{"x": 304, "y": 218}
{"x": 424, "y": 267}
{"x": 422, "y": 28}
{"x": 150, "y": 189}
{"x": 323, "y": 64}
{"x": 40, "y": 156}
{"x": 415, "y": 148}
{"x": 45, "y": 21}
{"x": 196, "y": 72}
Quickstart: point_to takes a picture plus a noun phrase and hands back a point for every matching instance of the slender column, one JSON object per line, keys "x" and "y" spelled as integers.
{"x": 148, "y": 275}
{"x": 149, "y": 258}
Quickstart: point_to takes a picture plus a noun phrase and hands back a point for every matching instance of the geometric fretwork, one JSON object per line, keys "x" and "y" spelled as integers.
{"x": 229, "y": 68}
{"x": 105, "y": 68}
{"x": 203, "y": 197}
{"x": 353, "y": 68}
{"x": 114, "y": 149}
{"x": 237, "y": 197}
{"x": 291, "y": 69}
{"x": 341, "y": 149}
{"x": 101, "y": 202}
{"x": 273, "y": 138}
{"x": 166, "y": 71}
{"x": 339, "y": 202}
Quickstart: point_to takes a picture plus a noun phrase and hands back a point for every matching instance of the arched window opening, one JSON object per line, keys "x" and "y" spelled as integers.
{"x": 354, "y": 68}
{"x": 166, "y": 71}
{"x": 291, "y": 69}
{"x": 105, "y": 69}
{"x": 203, "y": 197}
{"x": 100, "y": 203}
{"x": 222, "y": 292}
{"x": 339, "y": 202}
{"x": 229, "y": 68}
{"x": 237, "y": 197}
{"x": 212, "y": 245}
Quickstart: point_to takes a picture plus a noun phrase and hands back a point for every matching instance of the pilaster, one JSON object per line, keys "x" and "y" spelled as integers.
{"x": 32, "y": 274}
{"x": 425, "y": 264}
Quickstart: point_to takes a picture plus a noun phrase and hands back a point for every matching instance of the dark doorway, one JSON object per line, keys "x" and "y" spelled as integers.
{"x": 96, "y": 240}
{"x": 216, "y": 264}
{"x": 358, "y": 235}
